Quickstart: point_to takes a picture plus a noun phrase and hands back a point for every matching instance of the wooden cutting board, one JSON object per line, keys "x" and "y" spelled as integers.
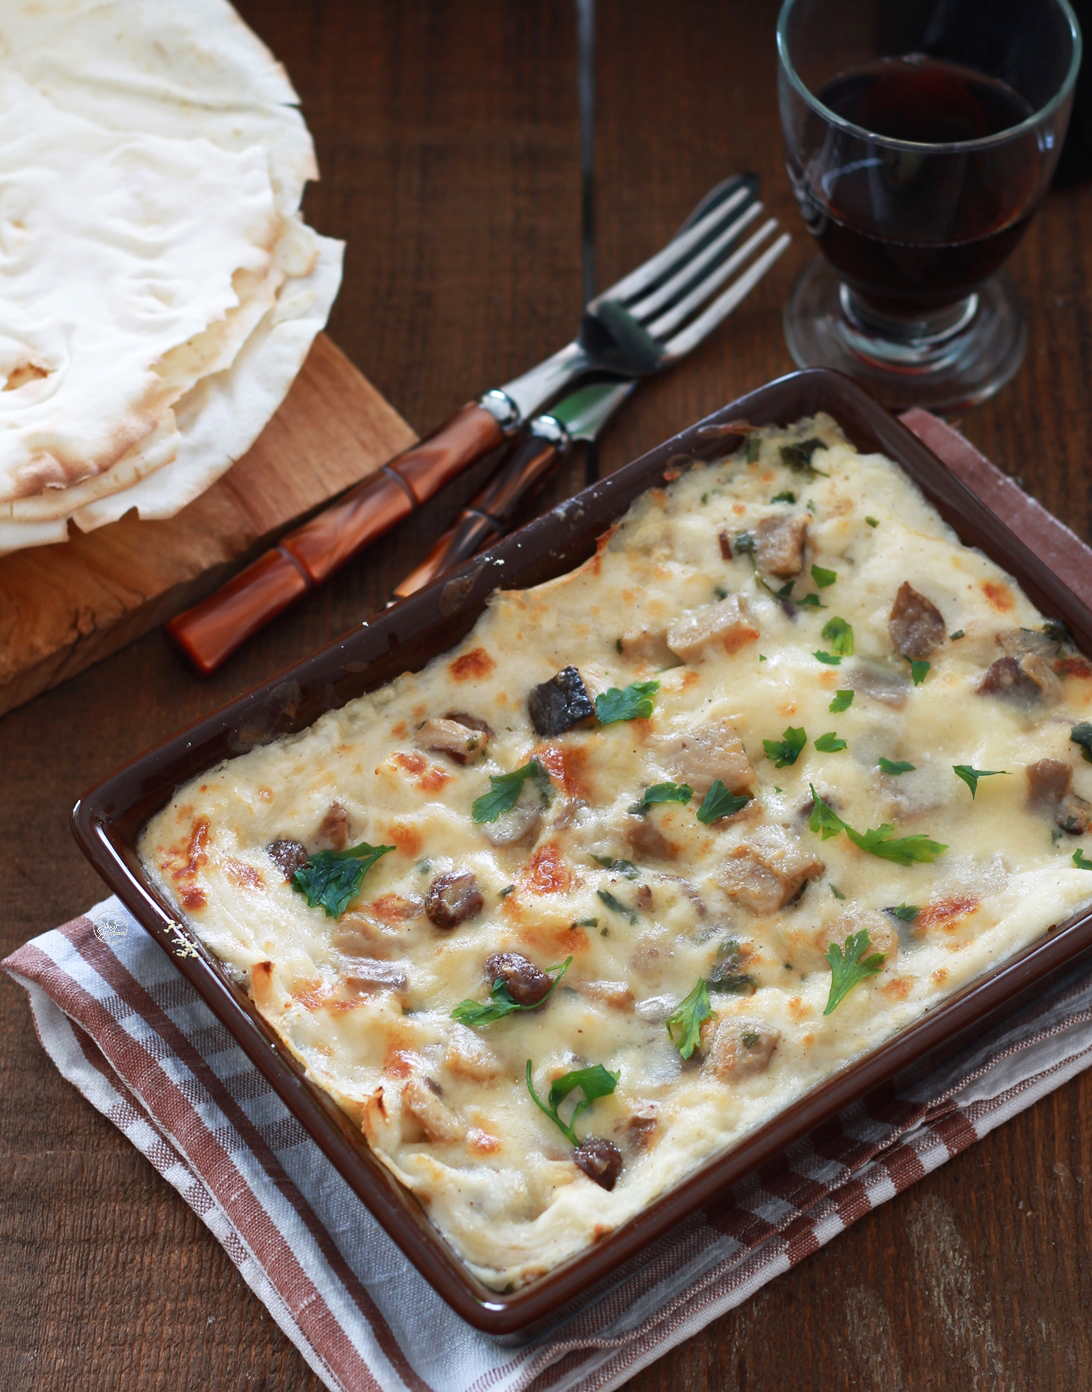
{"x": 66, "y": 606}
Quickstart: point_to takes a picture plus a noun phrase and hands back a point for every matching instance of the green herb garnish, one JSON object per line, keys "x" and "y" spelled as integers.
{"x": 907, "y": 912}
{"x": 504, "y": 791}
{"x": 971, "y": 776}
{"x": 620, "y": 867}
{"x": 668, "y": 792}
{"x": 1082, "y": 734}
{"x": 787, "y": 749}
{"x": 752, "y": 451}
{"x": 842, "y": 701}
{"x": 798, "y": 456}
{"x": 851, "y": 966}
{"x": 500, "y": 1004}
{"x": 506, "y": 891}
{"x": 331, "y": 880}
{"x": 829, "y": 658}
{"x": 836, "y": 892}
{"x": 719, "y": 802}
{"x": 616, "y": 905}
{"x": 840, "y": 636}
{"x": 1081, "y": 861}
{"x": 633, "y": 702}
{"x": 823, "y": 577}
{"x": 894, "y": 766}
{"x": 919, "y": 670}
{"x": 685, "y": 1021}
{"x": 587, "y": 923}
{"x": 953, "y": 636}
{"x": 594, "y": 1082}
{"x": 787, "y": 497}
{"x": 873, "y": 521}
{"x": 903, "y": 850}
{"x": 829, "y": 743}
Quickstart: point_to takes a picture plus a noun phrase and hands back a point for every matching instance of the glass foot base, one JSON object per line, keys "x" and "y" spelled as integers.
{"x": 963, "y": 363}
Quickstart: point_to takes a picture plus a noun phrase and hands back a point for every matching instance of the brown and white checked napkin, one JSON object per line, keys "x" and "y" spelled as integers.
{"x": 132, "y": 1035}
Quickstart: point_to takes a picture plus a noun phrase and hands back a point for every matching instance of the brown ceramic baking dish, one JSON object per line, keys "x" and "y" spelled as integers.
{"x": 108, "y": 819}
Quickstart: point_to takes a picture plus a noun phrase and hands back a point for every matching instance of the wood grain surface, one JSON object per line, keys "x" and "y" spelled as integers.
{"x": 67, "y": 606}
{"x": 448, "y": 140}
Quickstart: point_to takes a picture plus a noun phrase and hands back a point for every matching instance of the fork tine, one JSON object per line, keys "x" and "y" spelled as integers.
{"x": 673, "y": 317}
{"x": 720, "y": 308}
{"x": 643, "y": 309}
{"x": 668, "y": 257}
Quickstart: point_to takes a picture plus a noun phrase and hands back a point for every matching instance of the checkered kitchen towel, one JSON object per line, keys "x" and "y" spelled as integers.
{"x": 123, "y": 1026}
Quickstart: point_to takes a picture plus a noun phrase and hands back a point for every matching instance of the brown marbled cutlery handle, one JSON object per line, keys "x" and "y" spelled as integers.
{"x": 486, "y": 518}
{"x": 211, "y": 631}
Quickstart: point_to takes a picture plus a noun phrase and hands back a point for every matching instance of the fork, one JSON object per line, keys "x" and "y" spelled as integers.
{"x": 646, "y": 322}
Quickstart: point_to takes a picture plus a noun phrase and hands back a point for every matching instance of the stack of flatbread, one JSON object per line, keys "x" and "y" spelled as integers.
{"x": 159, "y": 290}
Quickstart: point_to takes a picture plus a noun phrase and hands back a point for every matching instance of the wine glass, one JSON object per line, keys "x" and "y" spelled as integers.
{"x": 920, "y": 138}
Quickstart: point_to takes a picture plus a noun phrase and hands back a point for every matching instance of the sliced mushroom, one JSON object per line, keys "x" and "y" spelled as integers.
{"x": 600, "y": 1160}
{"x": 779, "y": 544}
{"x": 527, "y": 984}
{"x": 1023, "y": 682}
{"x": 420, "y": 1097}
{"x": 288, "y": 855}
{"x": 647, "y": 841}
{"x": 726, "y": 624}
{"x": 648, "y": 646}
{"x": 765, "y": 872}
{"x": 368, "y": 974}
{"x": 333, "y": 832}
{"x": 616, "y": 994}
{"x": 560, "y": 704}
{"x": 741, "y": 1048}
{"x": 1049, "y": 782}
{"x": 881, "y": 683}
{"x": 706, "y": 752}
{"x": 470, "y": 1057}
{"x": 452, "y": 899}
{"x": 916, "y": 625}
{"x": 459, "y": 742}
{"x": 520, "y": 824}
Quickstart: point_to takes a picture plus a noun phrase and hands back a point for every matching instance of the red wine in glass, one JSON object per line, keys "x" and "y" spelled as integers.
{"x": 910, "y": 233}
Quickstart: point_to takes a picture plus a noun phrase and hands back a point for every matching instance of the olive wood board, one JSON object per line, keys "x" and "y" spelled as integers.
{"x": 66, "y": 606}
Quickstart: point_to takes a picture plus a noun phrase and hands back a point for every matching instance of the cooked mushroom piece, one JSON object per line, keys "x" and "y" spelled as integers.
{"x": 726, "y": 624}
{"x": 288, "y": 855}
{"x": 741, "y": 1048}
{"x": 616, "y": 994}
{"x": 459, "y": 742}
{"x": 420, "y": 1097}
{"x": 916, "y": 625}
{"x": 1024, "y": 682}
{"x": 767, "y": 871}
{"x": 600, "y": 1160}
{"x": 333, "y": 832}
{"x": 1049, "y": 783}
{"x": 368, "y": 974}
{"x": 647, "y": 841}
{"x": 882, "y": 684}
{"x": 527, "y": 985}
{"x": 470, "y": 1057}
{"x": 519, "y": 824}
{"x": 647, "y": 646}
{"x": 705, "y": 753}
{"x": 452, "y": 899}
{"x": 779, "y": 544}
{"x": 560, "y": 704}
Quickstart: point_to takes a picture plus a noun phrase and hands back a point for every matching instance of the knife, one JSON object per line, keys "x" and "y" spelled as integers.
{"x": 549, "y": 438}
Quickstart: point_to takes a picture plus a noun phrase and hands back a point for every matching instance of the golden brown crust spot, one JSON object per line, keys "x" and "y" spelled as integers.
{"x": 473, "y": 664}
{"x": 997, "y": 594}
{"x": 546, "y": 872}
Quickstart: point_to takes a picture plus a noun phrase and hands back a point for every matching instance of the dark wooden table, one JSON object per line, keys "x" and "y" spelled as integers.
{"x": 448, "y": 139}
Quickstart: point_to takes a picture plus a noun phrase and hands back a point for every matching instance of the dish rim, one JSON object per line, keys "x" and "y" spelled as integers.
{"x": 106, "y": 821}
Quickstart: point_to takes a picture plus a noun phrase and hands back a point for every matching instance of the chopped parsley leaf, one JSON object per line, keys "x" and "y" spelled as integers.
{"x": 500, "y": 1003}
{"x": 903, "y": 850}
{"x": 919, "y": 670}
{"x": 719, "y": 802}
{"x": 873, "y": 521}
{"x": 1082, "y": 734}
{"x": 753, "y": 449}
{"x": 851, "y": 966}
{"x": 685, "y": 1022}
{"x": 842, "y": 701}
{"x": 840, "y": 636}
{"x": 668, "y": 792}
{"x": 798, "y": 456}
{"x": 829, "y": 743}
{"x": 331, "y": 880}
{"x": 1081, "y": 861}
{"x": 894, "y": 766}
{"x": 620, "y": 867}
{"x": 828, "y": 658}
{"x": 616, "y": 905}
{"x": 787, "y": 749}
{"x": 506, "y": 891}
{"x": 594, "y": 1082}
{"x": 587, "y": 923}
{"x": 953, "y": 636}
{"x": 720, "y": 592}
{"x": 971, "y": 776}
{"x": 810, "y": 504}
{"x": 505, "y": 789}
{"x": 633, "y": 702}
{"x": 906, "y": 912}
{"x": 762, "y": 657}
{"x": 787, "y": 497}
{"x": 836, "y": 892}
{"x": 823, "y": 577}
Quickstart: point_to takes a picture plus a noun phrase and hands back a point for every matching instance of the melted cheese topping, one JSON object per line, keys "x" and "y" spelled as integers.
{"x": 365, "y": 1002}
